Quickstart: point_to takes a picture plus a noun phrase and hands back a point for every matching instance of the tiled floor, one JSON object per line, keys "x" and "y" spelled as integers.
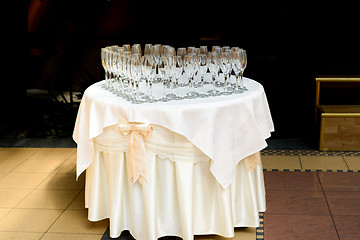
{"x": 316, "y": 201}
{"x": 40, "y": 199}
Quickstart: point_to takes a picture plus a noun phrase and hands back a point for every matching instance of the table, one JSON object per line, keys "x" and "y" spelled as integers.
{"x": 200, "y": 153}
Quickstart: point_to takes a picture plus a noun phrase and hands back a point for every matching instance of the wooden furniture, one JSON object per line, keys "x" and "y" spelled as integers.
{"x": 339, "y": 124}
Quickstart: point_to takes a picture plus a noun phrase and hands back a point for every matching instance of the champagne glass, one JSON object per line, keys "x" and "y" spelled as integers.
{"x": 171, "y": 51}
{"x": 147, "y": 49}
{"x": 189, "y": 68}
{"x": 162, "y": 76}
{"x": 150, "y": 66}
{"x": 242, "y": 69}
{"x": 203, "y": 50}
{"x": 104, "y": 62}
{"x": 109, "y": 62}
{"x": 136, "y": 75}
{"x": 127, "y": 47}
{"x": 178, "y": 70}
{"x": 156, "y": 52}
{"x": 181, "y": 52}
{"x": 191, "y": 50}
{"x": 236, "y": 66}
{"x": 136, "y": 49}
{"x": 203, "y": 66}
{"x": 144, "y": 69}
{"x": 225, "y": 48}
{"x": 169, "y": 67}
{"x": 225, "y": 65}
{"x": 116, "y": 71}
{"x": 216, "y": 49}
{"x": 213, "y": 62}
{"x": 126, "y": 71}
{"x": 164, "y": 50}
{"x": 196, "y": 63}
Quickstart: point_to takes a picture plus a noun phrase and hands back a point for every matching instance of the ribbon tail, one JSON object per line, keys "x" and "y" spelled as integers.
{"x": 137, "y": 169}
{"x": 253, "y": 161}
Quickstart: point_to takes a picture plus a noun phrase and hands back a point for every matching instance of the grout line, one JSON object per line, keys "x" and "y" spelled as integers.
{"x": 53, "y": 223}
{"x": 327, "y": 203}
{"x": 64, "y": 208}
{"x": 23, "y": 161}
{"x": 301, "y": 165}
{"x": 346, "y": 163}
{"x": 12, "y": 209}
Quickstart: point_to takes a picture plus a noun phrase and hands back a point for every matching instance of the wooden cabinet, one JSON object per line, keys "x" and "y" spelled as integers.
{"x": 339, "y": 124}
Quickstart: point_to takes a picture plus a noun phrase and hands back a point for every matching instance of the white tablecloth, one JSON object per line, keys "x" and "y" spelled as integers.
{"x": 181, "y": 197}
{"x": 227, "y": 129}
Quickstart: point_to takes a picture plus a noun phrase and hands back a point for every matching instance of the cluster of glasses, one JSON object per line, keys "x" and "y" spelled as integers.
{"x": 162, "y": 73}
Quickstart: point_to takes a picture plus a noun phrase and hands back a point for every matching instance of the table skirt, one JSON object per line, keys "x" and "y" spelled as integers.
{"x": 181, "y": 197}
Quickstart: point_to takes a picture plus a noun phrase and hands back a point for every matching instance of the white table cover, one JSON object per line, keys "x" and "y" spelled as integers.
{"x": 182, "y": 197}
{"x": 227, "y": 129}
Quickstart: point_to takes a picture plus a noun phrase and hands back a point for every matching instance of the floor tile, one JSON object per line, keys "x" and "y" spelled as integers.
{"x": 348, "y": 227}
{"x": 38, "y": 166}
{"x": 69, "y": 166}
{"x": 20, "y": 235}
{"x": 296, "y": 202}
{"x": 9, "y": 198}
{"x": 295, "y": 227}
{"x": 280, "y": 162}
{"x": 343, "y": 203}
{"x": 12, "y": 157}
{"x": 277, "y": 180}
{"x": 244, "y": 234}
{"x": 3, "y": 212}
{"x": 78, "y": 202}
{"x": 340, "y": 181}
{"x": 29, "y": 220}
{"x": 353, "y": 162}
{"x": 323, "y": 162}
{"x": 240, "y": 234}
{"x": 53, "y": 153}
{"x": 70, "y": 236}
{"x": 76, "y": 221}
{"x": 65, "y": 181}
{"x": 22, "y": 180}
{"x": 49, "y": 199}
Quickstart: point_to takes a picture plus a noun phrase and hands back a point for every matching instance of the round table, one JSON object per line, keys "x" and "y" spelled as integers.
{"x": 198, "y": 155}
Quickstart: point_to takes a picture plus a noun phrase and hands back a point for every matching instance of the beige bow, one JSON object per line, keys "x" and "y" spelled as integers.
{"x": 137, "y": 169}
{"x": 253, "y": 161}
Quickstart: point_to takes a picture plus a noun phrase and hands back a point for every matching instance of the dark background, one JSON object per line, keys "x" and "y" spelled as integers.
{"x": 287, "y": 44}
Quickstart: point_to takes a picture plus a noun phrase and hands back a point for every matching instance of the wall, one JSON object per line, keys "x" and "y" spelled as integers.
{"x": 287, "y": 44}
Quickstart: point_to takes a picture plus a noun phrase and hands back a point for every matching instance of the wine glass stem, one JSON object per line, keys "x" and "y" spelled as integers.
{"x": 150, "y": 91}
{"x": 237, "y": 81}
{"x": 176, "y": 86}
{"x": 241, "y": 80}
{"x": 192, "y": 84}
{"x": 213, "y": 83}
{"x": 164, "y": 85}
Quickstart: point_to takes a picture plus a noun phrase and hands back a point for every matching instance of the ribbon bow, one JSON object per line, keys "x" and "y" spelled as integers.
{"x": 137, "y": 169}
{"x": 253, "y": 161}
